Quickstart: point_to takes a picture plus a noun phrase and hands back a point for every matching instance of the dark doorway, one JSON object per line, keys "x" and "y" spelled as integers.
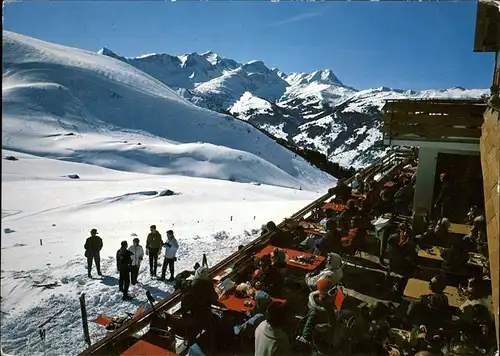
{"x": 466, "y": 180}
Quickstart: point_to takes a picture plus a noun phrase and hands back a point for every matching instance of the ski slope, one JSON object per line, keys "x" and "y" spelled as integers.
{"x": 80, "y": 106}
{"x": 39, "y": 201}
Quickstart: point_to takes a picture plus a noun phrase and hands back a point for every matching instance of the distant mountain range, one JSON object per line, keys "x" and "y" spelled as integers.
{"x": 78, "y": 106}
{"x": 311, "y": 110}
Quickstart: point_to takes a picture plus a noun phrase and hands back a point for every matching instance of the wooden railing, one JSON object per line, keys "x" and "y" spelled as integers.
{"x": 437, "y": 119}
{"x": 107, "y": 345}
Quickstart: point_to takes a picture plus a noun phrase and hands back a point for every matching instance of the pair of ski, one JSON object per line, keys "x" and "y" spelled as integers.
{"x": 112, "y": 323}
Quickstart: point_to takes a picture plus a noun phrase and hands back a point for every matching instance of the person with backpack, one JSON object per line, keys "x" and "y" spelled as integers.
{"x": 93, "y": 246}
{"x": 123, "y": 264}
{"x": 154, "y": 243}
{"x": 138, "y": 254}
{"x": 171, "y": 247}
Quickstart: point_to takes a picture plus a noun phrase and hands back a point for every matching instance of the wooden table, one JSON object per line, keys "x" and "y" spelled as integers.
{"x": 334, "y": 206}
{"x": 291, "y": 256}
{"x": 313, "y": 228}
{"x": 434, "y": 253}
{"x": 238, "y": 304}
{"x": 416, "y": 288}
{"x": 460, "y": 229}
{"x": 144, "y": 348}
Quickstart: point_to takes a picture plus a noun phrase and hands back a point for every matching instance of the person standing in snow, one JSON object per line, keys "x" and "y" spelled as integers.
{"x": 171, "y": 247}
{"x": 123, "y": 264}
{"x": 154, "y": 243}
{"x": 93, "y": 246}
{"x": 138, "y": 252}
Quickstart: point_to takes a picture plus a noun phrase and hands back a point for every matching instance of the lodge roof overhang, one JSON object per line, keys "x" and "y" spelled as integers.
{"x": 439, "y": 123}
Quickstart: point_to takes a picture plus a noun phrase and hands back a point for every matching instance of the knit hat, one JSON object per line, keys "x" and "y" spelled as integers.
{"x": 324, "y": 286}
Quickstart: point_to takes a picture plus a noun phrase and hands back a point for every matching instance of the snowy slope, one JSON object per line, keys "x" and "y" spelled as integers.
{"x": 38, "y": 202}
{"x": 312, "y": 110}
{"x": 84, "y": 107}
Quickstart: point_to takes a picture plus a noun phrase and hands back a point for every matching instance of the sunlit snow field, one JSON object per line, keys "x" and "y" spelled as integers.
{"x": 38, "y": 202}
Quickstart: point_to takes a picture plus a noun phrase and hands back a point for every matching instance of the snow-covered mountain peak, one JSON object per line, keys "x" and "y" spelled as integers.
{"x": 195, "y": 60}
{"x": 325, "y": 77}
{"x": 256, "y": 67}
{"x": 212, "y": 57}
{"x": 221, "y": 63}
{"x": 251, "y": 103}
{"x": 107, "y": 52}
{"x": 161, "y": 58}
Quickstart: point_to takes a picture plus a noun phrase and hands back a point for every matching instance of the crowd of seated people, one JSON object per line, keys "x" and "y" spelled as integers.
{"x": 324, "y": 327}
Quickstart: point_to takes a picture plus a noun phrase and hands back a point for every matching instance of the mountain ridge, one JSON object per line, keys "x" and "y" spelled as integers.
{"x": 313, "y": 110}
{"x": 80, "y": 106}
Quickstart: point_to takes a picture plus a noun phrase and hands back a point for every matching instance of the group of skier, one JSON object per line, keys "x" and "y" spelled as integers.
{"x": 128, "y": 259}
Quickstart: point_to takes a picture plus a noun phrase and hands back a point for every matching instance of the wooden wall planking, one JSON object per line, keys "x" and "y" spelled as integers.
{"x": 490, "y": 161}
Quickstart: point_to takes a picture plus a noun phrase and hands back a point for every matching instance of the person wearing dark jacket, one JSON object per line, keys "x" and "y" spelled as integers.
{"x": 331, "y": 240}
{"x": 268, "y": 278}
{"x": 403, "y": 199}
{"x": 181, "y": 280}
{"x": 123, "y": 264}
{"x": 443, "y": 202}
{"x": 456, "y": 257}
{"x": 384, "y": 205}
{"x": 196, "y": 305}
{"x": 93, "y": 246}
{"x": 347, "y": 215}
{"x": 154, "y": 243}
{"x": 402, "y": 254}
{"x": 279, "y": 237}
{"x": 342, "y": 191}
{"x": 355, "y": 237}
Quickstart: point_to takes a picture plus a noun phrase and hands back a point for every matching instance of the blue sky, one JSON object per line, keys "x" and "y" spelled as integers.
{"x": 407, "y": 45}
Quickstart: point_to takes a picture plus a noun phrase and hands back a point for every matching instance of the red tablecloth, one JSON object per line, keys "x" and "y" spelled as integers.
{"x": 291, "y": 254}
{"x": 238, "y": 304}
{"x": 334, "y": 206}
{"x": 358, "y": 195}
{"x": 143, "y": 348}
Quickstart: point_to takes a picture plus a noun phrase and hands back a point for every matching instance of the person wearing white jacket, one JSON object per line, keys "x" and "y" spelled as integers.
{"x": 171, "y": 246}
{"x": 333, "y": 272}
{"x": 138, "y": 255}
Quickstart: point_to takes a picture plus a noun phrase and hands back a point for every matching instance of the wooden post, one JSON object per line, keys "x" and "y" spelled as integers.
{"x": 85, "y": 323}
